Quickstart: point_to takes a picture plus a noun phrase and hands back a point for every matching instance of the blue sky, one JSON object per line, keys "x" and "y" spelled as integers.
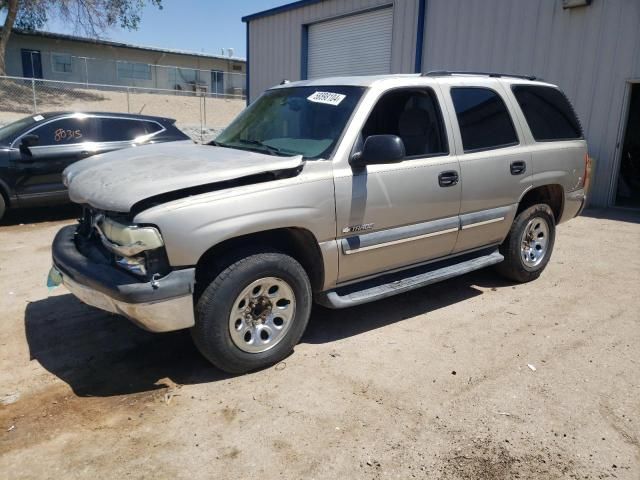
{"x": 196, "y": 25}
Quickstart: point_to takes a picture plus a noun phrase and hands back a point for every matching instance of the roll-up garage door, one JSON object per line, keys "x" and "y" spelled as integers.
{"x": 355, "y": 45}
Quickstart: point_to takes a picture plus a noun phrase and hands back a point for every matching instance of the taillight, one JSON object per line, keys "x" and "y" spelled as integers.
{"x": 587, "y": 172}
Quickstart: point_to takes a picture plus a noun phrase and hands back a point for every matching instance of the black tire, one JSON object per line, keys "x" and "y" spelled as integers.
{"x": 514, "y": 267}
{"x": 211, "y": 332}
{"x": 3, "y": 206}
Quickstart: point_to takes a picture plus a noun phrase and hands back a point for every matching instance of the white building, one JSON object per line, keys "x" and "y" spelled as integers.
{"x": 54, "y": 56}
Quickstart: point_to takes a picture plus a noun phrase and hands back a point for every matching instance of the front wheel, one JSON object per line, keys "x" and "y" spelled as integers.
{"x": 3, "y": 206}
{"x": 529, "y": 244}
{"x": 253, "y": 313}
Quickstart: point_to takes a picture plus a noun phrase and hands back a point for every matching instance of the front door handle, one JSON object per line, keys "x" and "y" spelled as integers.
{"x": 518, "y": 167}
{"x": 448, "y": 179}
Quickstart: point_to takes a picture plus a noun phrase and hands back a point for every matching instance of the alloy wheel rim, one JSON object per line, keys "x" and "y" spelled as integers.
{"x": 534, "y": 242}
{"x": 262, "y": 314}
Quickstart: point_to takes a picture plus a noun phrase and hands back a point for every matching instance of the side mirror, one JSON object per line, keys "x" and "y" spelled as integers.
{"x": 379, "y": 149}
{"x": 28, "y": 141}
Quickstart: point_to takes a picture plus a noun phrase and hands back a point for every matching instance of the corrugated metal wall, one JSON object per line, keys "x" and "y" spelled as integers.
{"x": 275, "y": 41}
{"x": 591, "y": 52}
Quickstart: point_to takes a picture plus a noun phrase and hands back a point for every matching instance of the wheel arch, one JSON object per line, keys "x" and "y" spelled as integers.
{"x": 4, "y": 191}
{"x": 552, "y": 195}
{"x": 296, "y": 242}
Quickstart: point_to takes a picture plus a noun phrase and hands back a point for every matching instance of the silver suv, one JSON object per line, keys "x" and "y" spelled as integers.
{"x": 338, "y": 190}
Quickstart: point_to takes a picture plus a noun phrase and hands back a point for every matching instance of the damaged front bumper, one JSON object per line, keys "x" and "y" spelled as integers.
{"x": 161, "y": 305}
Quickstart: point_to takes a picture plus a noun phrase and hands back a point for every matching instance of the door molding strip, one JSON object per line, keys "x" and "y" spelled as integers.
{"x": 479, "y": 224}
{"x": 410, "y": 233}
{"x": 398, "y": 235}
{"x": 403, "y": 240}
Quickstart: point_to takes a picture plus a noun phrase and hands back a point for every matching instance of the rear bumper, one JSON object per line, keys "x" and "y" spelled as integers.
{"x": 574, "y": 203}
{"x": 160, "y": 306}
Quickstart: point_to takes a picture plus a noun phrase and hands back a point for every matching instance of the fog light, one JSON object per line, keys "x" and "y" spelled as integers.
{"x": 135, "y": 265}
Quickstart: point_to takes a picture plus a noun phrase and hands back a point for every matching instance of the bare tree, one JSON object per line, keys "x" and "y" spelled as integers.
{"x": 12, "y": 12}
{"x": 90, "y": 17}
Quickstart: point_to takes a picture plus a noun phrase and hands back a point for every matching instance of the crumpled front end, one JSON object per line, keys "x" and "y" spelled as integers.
{"x": 123, "y": 269}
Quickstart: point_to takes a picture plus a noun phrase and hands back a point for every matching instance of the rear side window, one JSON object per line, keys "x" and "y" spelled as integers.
{"x": 152, "y": 127}
{"x": 548, "y": 112}
{"x": 123, "y": 130}
{"x": 483, "y": 117}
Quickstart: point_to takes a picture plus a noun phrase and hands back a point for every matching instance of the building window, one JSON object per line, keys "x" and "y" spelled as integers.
{"x": 138, "y": 71}
{"x": 237, "y": 68}
{"x": 61, "y": 63}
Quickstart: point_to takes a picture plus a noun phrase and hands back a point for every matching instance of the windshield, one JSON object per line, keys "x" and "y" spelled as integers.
{"x": 305, "y": 121}
{"x": 8, "y": 133}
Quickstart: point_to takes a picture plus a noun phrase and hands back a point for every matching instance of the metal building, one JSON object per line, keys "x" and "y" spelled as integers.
{"x": 590, "y": 48}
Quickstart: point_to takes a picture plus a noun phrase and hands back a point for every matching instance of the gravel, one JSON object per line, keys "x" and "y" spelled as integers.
{"x": 370, "y": 393}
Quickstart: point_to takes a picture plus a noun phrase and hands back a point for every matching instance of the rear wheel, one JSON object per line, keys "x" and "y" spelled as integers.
{"x": 528, "y": 247}
{"x": 253, "y": 313}
{"x": 3, "y": 206}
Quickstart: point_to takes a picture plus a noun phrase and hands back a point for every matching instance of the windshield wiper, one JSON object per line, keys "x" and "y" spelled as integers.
{"x": 258, "y": 143}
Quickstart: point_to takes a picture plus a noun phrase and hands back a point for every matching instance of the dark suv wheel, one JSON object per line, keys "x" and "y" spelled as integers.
{"x": 253, "y": 313}
{"x": 528, "y": 247}
{"x": 3, "y": 206}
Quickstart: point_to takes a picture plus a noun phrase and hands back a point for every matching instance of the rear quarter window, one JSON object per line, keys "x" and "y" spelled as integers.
{"x": 548, "y": 112}
{"x": 123, "y": 129}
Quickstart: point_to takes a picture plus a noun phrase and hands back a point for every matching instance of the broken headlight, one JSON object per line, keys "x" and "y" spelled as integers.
{"x": 137, "y": 265}
{"x": 137, "y": 249}
{"x": 127, "y": 240}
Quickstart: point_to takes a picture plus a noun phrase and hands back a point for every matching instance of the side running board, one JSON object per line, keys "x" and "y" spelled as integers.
{"x": 400, "y": 282}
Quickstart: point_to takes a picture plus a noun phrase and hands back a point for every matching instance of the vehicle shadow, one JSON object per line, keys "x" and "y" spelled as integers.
{"x": 17, "y": 216}
{"x": 99, "y": 354}
{"x": 328, "y": 325}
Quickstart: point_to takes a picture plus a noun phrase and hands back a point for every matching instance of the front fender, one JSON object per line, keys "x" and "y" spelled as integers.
{"x": 192, "y": 226}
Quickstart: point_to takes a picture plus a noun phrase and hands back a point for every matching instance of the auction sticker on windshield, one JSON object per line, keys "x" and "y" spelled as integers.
{"x": 329, "y": 98}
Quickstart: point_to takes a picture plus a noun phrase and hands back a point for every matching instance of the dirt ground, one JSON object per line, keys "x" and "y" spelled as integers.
{"x": 433, "y": 384}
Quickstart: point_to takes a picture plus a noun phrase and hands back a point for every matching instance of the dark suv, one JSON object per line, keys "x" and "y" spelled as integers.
{"x": 35, "y": 150}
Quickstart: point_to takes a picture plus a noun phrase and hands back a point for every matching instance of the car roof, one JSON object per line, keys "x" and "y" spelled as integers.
{"x": 411, "y": 78}
{"x": 132, "y": 116}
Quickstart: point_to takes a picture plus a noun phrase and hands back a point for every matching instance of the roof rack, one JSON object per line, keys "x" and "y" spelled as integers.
{"x": 444, "y": 73}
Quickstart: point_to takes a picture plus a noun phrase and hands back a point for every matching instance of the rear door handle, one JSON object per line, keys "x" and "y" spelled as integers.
{"x": 448, "y": 179}
{"x": 518, "y": 167}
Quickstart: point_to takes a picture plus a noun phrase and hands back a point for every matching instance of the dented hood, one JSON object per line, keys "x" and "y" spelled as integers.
{"x": 118, "y": 180}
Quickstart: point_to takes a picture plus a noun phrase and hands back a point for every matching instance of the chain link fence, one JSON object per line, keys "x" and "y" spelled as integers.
{"x": 200, "y": 114}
